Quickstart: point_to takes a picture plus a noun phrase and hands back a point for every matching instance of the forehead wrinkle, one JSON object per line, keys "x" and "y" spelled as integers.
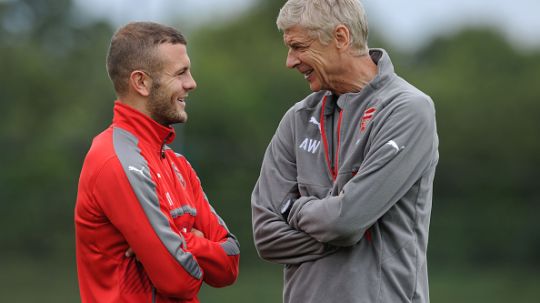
{"x": 292, "y": 39}
{"x": 294, "y": 34}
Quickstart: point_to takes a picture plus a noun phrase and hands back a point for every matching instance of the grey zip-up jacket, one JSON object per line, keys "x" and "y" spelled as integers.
{"x": 346, "y": 209}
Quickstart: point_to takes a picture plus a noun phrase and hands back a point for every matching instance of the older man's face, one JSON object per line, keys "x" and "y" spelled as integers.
{"x": 317, "y": 62}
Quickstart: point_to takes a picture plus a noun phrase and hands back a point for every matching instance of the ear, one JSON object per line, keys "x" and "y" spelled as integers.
{"x": 342, "y": 37}
{"x": 140, "y": 82}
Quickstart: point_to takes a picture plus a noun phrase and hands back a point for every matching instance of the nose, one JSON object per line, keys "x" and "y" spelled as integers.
{"x": 292, "y": 59}
{"x": 190, "y": 84}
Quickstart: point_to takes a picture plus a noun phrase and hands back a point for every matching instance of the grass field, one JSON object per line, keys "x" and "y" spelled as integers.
{"x": 27, "y": 280}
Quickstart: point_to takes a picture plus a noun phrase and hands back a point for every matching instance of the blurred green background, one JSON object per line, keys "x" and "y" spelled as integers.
{"x": 55, "y": 96}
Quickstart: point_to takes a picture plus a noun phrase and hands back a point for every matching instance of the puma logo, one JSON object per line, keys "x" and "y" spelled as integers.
{"x": 393, "y": 144}
{"x": 140, "y": 171}
{"x": 314, "y": 121}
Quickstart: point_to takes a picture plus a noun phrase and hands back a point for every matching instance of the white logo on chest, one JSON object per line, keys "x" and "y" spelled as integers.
{"x": 314, "y": 121}
{"x": 140, "y": 171}
{"x": 310, "y": 145}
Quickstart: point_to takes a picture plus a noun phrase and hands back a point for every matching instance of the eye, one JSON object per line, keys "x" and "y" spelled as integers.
{"x": 299, "y": 47}
{"x": 181, "y": 72}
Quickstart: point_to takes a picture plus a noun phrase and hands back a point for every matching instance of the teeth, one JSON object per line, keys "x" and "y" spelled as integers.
{"x": 306, "y": 75}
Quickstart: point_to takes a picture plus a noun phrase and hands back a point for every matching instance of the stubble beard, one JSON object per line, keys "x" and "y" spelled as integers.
{"x": 162, "y": 108}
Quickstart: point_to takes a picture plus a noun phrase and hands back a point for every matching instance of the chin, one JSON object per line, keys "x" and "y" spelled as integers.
{"x": 314, "y": 88}
{"x": 182, "y": 118}
{"x": 315, "y": 85}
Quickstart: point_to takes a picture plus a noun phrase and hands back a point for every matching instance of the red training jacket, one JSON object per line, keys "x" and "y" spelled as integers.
{"x": 136, "y": 192}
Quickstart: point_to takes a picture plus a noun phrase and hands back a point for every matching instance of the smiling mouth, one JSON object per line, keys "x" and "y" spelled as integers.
{"x": 182, "y": 99}
{"x": 307, "y": 74}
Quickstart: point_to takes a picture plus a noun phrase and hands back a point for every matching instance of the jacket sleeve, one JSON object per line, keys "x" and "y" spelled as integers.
{"x": 218, "y": 253}
{"x": 275, "y": 239}
{"x": 402, "y": 148}
{"x": 129, "y": 200}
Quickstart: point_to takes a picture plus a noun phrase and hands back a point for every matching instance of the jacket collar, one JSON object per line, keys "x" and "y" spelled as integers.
{"x": 385, "y": 73}
{"x": 142, "y": 126}
{"x": 384, "y": 65}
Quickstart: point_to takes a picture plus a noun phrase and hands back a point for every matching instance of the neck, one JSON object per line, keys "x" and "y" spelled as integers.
{"x": 356, "y": 74}
{"x": 135, "y": 102}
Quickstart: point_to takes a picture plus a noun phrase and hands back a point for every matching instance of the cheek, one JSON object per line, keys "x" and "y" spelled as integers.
{"x": 174, "y": 90}
{"x": 314, "y": 61}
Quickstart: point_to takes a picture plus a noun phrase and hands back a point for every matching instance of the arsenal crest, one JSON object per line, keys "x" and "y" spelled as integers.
{"x": 368, "y": 114}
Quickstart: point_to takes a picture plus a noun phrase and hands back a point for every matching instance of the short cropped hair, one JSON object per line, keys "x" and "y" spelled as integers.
{"x": 133, "y": 47}
{"x": 320, "y": 18}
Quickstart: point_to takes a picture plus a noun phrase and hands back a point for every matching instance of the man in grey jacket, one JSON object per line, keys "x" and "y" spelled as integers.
{"x": 344, "y": 196}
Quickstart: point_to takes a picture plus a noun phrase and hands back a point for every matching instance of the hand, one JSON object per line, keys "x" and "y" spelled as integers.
{"x": 197, "y": 233}
{"x": 129, "y": 253}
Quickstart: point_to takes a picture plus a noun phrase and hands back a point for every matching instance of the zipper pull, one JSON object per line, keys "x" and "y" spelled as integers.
{"x": 163, "y": 145}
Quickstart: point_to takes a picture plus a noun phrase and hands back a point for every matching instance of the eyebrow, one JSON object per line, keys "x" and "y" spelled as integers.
{"x": 304, "y": 41}
{"x": 298, "y": 44}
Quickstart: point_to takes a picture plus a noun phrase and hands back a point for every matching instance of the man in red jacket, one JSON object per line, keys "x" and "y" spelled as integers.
{"x": 136, "y": 196}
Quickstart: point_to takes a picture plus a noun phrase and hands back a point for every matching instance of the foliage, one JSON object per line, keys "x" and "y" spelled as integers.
{"x": 54, "y": 97}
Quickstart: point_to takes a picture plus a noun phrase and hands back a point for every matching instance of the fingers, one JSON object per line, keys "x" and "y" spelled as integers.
{"x": 129, "y": 253}
{"x": 197, "y": 233}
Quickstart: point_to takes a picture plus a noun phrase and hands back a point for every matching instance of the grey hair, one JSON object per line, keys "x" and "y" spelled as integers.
{"x": 320, "y": 18}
